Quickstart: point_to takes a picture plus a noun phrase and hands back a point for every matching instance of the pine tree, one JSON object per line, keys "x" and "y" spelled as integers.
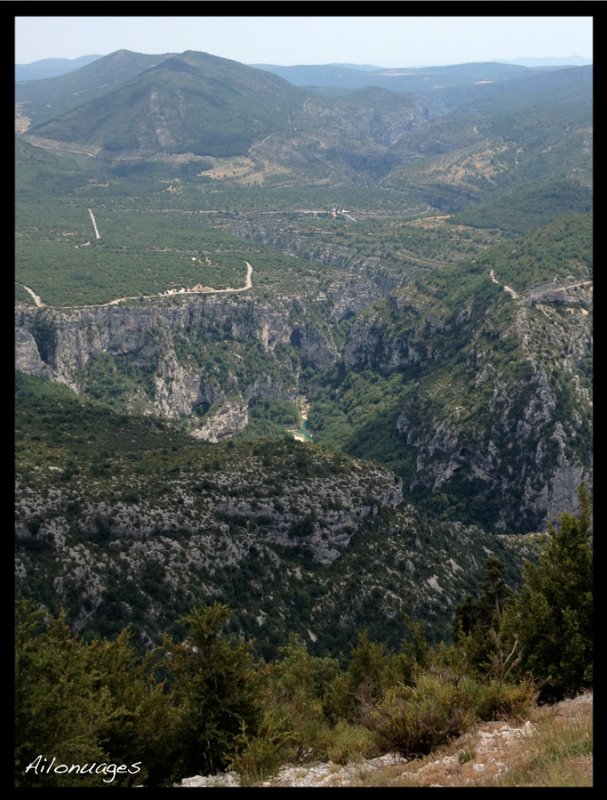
{"x": 217, "y": 691}
{"x": 478, "y": 621}
{"x": 81, "y": 703}
{"x": 58, "y": 713}
{"x": 552, "y": 614}
{"x": 488, "y": 609}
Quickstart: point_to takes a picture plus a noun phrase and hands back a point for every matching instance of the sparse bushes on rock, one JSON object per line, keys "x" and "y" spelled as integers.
{"x": 78, "y": 701}
{"x": 414, "y": 720}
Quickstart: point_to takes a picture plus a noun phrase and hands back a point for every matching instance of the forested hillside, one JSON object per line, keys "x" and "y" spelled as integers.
{"x": 322, "y": 357}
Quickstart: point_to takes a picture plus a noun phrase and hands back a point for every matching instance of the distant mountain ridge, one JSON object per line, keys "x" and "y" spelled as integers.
{"x": 398, "y": 79}
{"x": 46, "y": 99}
{"x": 568, "y": 61}
{"x": 192, "y": 102}
{"x": 51, "y": 67}
{"x": 363, "y": 67}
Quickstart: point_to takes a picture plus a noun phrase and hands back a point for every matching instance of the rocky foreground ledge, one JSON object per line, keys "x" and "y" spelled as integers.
{"x": 497, "y": 748}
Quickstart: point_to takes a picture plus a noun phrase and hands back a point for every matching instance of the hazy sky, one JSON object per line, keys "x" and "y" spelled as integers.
{"x": 382, "y": 41}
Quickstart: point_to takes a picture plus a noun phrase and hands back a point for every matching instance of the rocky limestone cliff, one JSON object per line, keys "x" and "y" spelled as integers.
{"x": 268, "y": 231}
{"x": 58, "y": 344}
{"x": 508, "y": 423}
{"x": 306, "y": 538}
{"x": 513, "y": 424}
{"x": 230, "y": 418}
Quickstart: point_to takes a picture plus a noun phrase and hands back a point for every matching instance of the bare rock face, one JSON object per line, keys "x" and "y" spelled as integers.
{"x": 371, "y": 341}
{"x": 515, "y": 429}
{"x": 232, "y": 417}
{"x": 27, "y": 357}
{"x": 57, "y": 344}
{"x": 577, "y": 293}
{"x": 374, "y": 276}
{"x": 177, "y": 388}
{"x": 221, "y": 779}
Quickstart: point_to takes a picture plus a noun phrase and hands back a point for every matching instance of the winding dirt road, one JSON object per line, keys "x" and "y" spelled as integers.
{"x": 248, "y": 284}
{"x": 556, "y": 288}
{"x": 97, "y": 235}
{"x": 37, "y": 300}
{"x": 506, "y": 288}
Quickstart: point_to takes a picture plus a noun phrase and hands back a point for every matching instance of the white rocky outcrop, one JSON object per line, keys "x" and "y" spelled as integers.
{"x": 230, "y": 418}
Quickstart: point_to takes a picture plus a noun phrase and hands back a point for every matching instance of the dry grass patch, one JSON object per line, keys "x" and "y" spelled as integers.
{"x": 237, "y": 167}
{"x": 429, "y": 222}
{"x": 559, "y": 753}
{"x": 22, "y": 124}
{"x": 552, "y": 748}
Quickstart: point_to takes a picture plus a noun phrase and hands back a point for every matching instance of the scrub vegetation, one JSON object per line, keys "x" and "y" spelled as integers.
{"x": 199, "y": 591}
